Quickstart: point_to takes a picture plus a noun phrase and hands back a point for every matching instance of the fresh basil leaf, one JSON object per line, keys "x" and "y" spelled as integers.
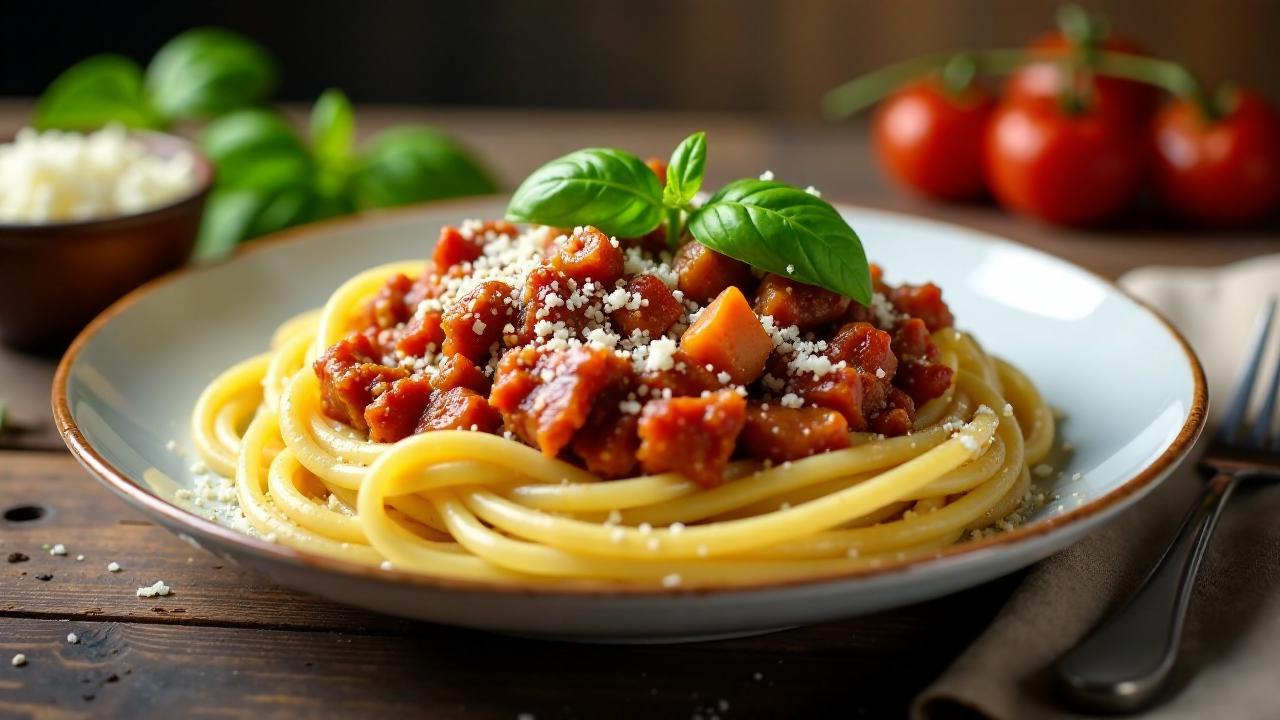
{"x": 414, "y": 164}
{"x": 208, "y": 71}
{"x": 610, "y": 189}
{"x": 684, "y": 172}
{"x": 228, "y": 214}
{"x": 256, "y": 148}
{"x": 784, "y": 230}
{"x": 333, "y": 128}
{"x": 93, "y": 92}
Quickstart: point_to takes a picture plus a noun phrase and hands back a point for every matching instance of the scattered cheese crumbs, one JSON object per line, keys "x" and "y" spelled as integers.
{"x": 852, "y": 553}
{"x": 79, "y": 558}
{"x": 676, "y": 528}
{"x": 702, "y": 551}
{"x": 1077, "y": 477}
{"x": 791, "y": 400}
{"x": 1007, "y": 411}
{"x": 644, "y": 528}
{"x": 153, "y": 590}
{"x": 478, "y": 326}
{"x": 618, "y": 535}
{"x": 73, "y": 638}
{"x": 19, "y": 660}
{"x": 767, "y": 175}
{"x": 171, "y": 445}
{"x": 791, "y": 269}
{"x": 113, "y": 567}
{"x": 58, "y": 549}
{"x": 614, "y": 518}
{"x": 653, "y": 544}
{"x": 386, "y": 565}
{"x": 269, "y": 537}
{"x": 199, "y": 468}
{"x": 661, "y": 355}
{"x": 672, "y": 580}
{"x": 880, "y": 373}
{"x": 813, "y": 191}
{"x": 1042, "y": 470}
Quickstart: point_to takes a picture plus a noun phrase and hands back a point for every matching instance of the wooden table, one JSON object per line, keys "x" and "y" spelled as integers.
{"x": 229, "y": 644}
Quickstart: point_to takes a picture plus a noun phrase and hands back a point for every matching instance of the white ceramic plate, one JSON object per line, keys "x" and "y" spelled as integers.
{"x": 1131, "y": 391}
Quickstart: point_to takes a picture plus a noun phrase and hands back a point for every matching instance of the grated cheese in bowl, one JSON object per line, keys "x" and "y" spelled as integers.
{"x": 54, "y": 176}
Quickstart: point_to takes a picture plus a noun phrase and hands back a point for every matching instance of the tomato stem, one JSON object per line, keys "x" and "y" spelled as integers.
{"x": 864, "y": 91}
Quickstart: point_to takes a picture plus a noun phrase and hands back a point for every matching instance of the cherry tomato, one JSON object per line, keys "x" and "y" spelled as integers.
{"x": 1130, "y": 101}
{"x": 1221, "y": 172}
{"x": 930, "y": 140}
{"x": 1071, "y": 169}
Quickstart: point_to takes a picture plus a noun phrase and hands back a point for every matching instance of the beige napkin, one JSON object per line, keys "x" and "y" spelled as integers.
{"x": 1230, "y": 663}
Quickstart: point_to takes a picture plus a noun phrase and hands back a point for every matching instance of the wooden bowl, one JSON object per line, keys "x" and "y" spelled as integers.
{"x": 55, "y": 278}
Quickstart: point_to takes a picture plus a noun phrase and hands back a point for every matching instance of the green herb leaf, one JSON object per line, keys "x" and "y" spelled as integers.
{"x": 684, "y": 172}
{"x": 93, "y": 92}
{"x": 784, "y": 230}
{"x": 208, "y": 71}
{"x": 333, "y": 128}
{"x": 610, "y": 189}
{"x": 415, "y": 164}
{"x": 256, "y": 148}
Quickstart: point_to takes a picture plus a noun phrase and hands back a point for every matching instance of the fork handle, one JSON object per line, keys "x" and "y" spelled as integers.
{"x": 1123, "y": 663}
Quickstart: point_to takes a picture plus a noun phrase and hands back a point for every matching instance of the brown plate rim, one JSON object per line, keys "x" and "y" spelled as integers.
{"x": 131, "y": 491}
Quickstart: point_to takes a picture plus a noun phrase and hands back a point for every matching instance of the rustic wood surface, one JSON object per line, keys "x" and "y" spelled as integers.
{"x": 227, "y": 643}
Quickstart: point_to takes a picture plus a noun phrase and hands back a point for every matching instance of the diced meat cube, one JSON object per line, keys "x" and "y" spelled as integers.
{"x": 543, "y": 300}
{"x": 474, "y": 322}
{"x": 895, "y": 419}
{"x": 924, "y": 380}
{"x": 692, "y": 436}
{"x": 423, "y": 333}
{"x": 844, "y": 390}
{"x": 687, "y": 377}
{"x": 912, "y": 341}
{"x": 794, "y": 303}
{"x": 702, "y": 273}
{"x": 546, "y": 396}
{"x": 458, "y": 409}
{"x": 924, "y": 302}
{"x": 658, "y": 309}
{"x": 589, "y": 254}
{"x": 351, "y": 375}
{"x": 454, "y": 248}
{"x": 729, "y": 337}
{"x": 777, "y": 433}
{"x": 395, "y": 413}
{"x": 457, "y": 371}
{"x": 608, "y": 442}
{"x": 388, "y": 307}
{"x": 863, "y": 346}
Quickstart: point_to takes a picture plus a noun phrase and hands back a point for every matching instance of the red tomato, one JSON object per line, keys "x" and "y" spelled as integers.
{"x": 1071, "y": 169}
{"x": 1132, "y": 101}
{"x": 1219, "y": 172}
{"x": 930, "y": 140}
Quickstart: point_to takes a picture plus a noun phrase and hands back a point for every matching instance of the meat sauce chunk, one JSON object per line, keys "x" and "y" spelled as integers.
{"x": 607, "y": 444}
{"x": 351, "y": 375}
{"x": 779, "y": 433}
{"x": 458, "y": 371}
{"x": 919, "y": 375}
{"x": 474, "y": 322}
{"x": 458, "y": 409}
{"x": 395, "y": 413}
{"x": 389, "y": 307}
{"x": 702, "y": 273}
{"x": 687, "y": 377}
{"x": 924, "y": 302}
{"x": 658, "y": 309}
{"x": 423, "y": 333}
{"x": 692, "y": 436}
{"x": 793, "y": 303}
{"x": 543, "y": 299}
{"x": 547, "y": 395}
{"x": 454, "y": 247}
{"x": 589, "y": 254}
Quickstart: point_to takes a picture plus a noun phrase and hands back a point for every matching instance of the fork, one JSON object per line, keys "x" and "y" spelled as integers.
{"x": 1123, "y": 664}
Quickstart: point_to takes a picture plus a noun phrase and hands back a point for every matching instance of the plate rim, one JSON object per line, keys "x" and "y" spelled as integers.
{"x": 132, "y": 492}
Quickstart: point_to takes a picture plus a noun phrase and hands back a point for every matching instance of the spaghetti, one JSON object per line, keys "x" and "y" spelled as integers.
{"x": 490, "y": 506}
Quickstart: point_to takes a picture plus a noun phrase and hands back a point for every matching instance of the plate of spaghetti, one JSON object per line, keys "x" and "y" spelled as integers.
{"x": 540, "y": 415}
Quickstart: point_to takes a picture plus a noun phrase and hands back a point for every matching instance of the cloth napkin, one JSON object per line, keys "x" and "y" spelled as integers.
{"x": 1229, "y": 666}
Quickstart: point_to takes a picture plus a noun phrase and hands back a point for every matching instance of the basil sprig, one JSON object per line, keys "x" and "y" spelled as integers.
{"x": 270, "y": 178}
{"x": 769, "y": 225}
{"x": 200, "y": 73}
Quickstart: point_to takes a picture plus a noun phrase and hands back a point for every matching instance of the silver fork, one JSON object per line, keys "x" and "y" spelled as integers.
{"x": 1122, "y": 665}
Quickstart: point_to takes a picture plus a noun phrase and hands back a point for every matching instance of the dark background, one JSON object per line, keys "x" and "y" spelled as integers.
{"x": 751, "y": 55}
